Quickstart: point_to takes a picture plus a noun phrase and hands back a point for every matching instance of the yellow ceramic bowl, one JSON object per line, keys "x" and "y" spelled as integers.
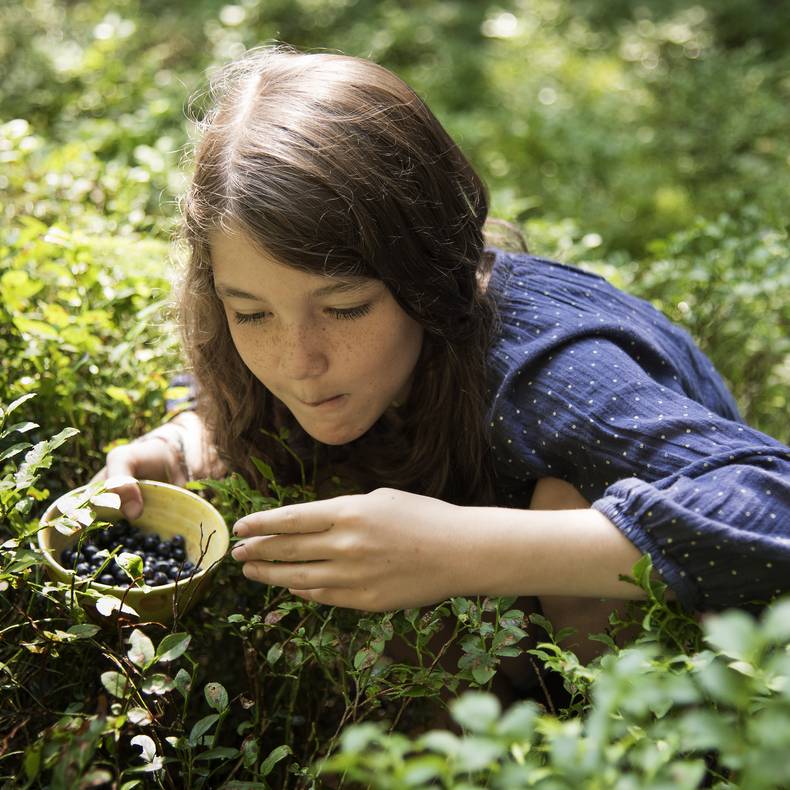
{"x": 167, "y": 511}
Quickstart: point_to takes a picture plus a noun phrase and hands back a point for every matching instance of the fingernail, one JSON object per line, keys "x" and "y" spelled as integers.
{"x": 132, "y": 510}
{"x": 238, "y": 528}
{"x": 237, "y": 551}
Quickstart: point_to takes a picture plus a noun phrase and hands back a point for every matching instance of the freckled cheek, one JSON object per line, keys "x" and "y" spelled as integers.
{"x": 254, "y": 352}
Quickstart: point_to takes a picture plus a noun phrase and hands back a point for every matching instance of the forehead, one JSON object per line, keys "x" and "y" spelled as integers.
{"x": 240, "y": 268}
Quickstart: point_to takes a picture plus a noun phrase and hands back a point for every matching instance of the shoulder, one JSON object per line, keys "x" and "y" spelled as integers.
{"x": 513, "y": 271}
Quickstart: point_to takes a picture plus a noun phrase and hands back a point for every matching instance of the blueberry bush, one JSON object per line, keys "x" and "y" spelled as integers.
{"x": 648, "y": 142}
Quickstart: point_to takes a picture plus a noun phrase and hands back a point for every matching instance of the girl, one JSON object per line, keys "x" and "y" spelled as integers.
{"x": 513, "y": 426}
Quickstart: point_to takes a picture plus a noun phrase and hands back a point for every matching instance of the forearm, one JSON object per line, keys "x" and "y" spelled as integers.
{"x": 189, "y": 433}
{"x": 545, "y": 552}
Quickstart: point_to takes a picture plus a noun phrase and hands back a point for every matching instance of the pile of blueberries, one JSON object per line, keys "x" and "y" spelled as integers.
{"x": 164, "y": 561}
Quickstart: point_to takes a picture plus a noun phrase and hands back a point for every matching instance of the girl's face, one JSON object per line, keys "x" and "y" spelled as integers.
{"x": 337, "y": 352}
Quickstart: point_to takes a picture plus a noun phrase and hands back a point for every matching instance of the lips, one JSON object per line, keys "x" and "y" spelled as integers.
{"x": 319, "y": 402}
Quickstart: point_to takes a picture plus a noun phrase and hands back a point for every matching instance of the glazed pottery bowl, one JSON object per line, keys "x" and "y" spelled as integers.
{"x": 167, "y": 511}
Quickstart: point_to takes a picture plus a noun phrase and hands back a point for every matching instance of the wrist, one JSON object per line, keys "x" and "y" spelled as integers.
{"x": 173, "y": 436}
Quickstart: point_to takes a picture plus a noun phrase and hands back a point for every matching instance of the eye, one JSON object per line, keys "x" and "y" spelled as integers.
{"x": 248, "y": 318}
{"x": 351, "y": 312}
{"x": 342, "y": 314}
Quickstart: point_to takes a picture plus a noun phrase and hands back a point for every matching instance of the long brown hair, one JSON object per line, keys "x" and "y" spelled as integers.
{"x": 333, "y": 165}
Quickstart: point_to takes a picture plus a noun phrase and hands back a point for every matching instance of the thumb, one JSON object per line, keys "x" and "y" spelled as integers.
{"x": 131, "y": 497}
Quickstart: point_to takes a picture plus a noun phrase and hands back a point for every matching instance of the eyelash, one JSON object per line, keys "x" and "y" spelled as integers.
{"x": 349, "y": 314}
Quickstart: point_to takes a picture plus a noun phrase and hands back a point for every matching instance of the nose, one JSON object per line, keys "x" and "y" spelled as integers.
{"x": 303, "y": 354}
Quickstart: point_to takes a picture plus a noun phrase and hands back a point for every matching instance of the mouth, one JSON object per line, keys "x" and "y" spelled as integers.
{"x": 325, "y": 402}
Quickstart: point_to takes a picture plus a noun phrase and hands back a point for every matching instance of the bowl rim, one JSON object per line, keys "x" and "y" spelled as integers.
{"x": 49, "y": 558}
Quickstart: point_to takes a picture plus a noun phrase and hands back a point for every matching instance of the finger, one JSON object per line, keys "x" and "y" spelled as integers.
{"x": 299, "y": 575}
{"x": 315, "y": 516}
{"x": 284, "y": 548}
{"x": 120, "y": 481}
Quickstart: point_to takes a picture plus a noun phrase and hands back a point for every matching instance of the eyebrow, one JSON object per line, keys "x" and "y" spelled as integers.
{"x": 343, "y": 286}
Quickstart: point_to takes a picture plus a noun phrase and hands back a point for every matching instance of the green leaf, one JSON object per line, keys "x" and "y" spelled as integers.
{"x": 274, "y": 652}
{"x": 132, "y": 565}
{"x": 479, "y": 753}
{"x": 20, "y": 427}
{"x": 140, "y": 717}
{"x": 157, "y": 684}
{"x": 201, "y": 727}
{"x": 446, "y": 743}
{"x": 13, "y": 450}
{"x": 147, "y": 745}
{"x": 183, "y": 681}
{"x": 106, "y": 499}
{"x": 420, "y": 770}
{"x": 365, "y": 658}
{"x": 733, "y": 633}
{"x": 141, "y": 652}
{"x": 61, "y": 438}
{"x": 776, "y": 622}
{"x": 19, "y": 401}
{"x": 172, "y": 646}
{"x": 108, "y": 604}
{"x": 216, "y": 696}
{"x": 540, "y": 620}
{"x": 84, "y": 630}
{"x": 483, "y": 674}
{"x": 218, "y": 753}
{"x": 249, "y": 750}
{"x": 264, "y": 469}
{"x": 519, "y": 721}
{"x": 475, "y": 711}
{"x": 115, "y": 683}
{"x": 32, "y": 759}
{"x": 267, "y": 766}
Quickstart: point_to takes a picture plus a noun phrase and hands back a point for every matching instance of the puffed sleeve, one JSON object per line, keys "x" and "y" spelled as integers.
{"x": 708, "y": 498}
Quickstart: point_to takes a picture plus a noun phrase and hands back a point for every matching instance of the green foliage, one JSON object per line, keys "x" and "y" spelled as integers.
{"x": 648, "y": 142}
{"x": 655, "y": 719}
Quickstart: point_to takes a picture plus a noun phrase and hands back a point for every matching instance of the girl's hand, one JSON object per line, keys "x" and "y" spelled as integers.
{"x": 377, "y": 552}
{"x": 155, "y": 456}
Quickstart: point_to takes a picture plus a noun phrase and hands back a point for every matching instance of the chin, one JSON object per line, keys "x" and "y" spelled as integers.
{"x": 335, "y": 438}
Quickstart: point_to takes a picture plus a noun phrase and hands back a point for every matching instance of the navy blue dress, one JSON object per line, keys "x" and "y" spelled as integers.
{"x": 598, "y": 388}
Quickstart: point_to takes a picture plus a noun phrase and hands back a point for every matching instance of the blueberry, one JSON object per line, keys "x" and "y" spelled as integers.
{"x": 174, "y": 572}
{"x": 178, "y": 553}
{"x": 67, "y": 558}
{"x": 107, "y": 578}
{"x": 151, "y": 542}
{"x": 162, "y": 565}
{"x": 178, "y": 540}
{"x": 159, "y": 579}
{"x": 83, "y": 569}
{"x": 88, "y": 549}
{"x": 129, "y": 541}
{"x": 187, "y": 566}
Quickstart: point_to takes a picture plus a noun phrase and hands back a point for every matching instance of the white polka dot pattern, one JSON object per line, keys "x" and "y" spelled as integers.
{"x": 597, "y": 387}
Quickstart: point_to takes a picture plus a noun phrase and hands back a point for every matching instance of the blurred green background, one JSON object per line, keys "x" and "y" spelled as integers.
{"x": 649, "y": 141}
